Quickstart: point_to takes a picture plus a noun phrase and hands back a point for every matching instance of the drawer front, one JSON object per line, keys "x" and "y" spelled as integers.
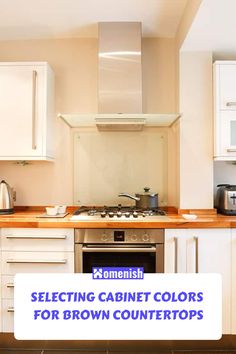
{"x": 7, "y": 317}
{"x": 22, "y": 239}
{"x": 37, "y": 262}
{"x": 7, "y": 286}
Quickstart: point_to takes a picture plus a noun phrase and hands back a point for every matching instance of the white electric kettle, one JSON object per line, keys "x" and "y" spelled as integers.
{"x": 6, "y": 198}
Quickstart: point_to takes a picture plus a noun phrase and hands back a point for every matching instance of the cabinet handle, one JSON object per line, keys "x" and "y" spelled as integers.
{"x": 118, "y": 249}
{"x": 196, "y": 254}
{"x": 34, "y": 78}
{"x": 45, "y": 261}
{"x": 229, "y": 104}
{"x": 231, "y": 150}
{"x": 59, "y": 237}
{"x": 176, "y": 254}
{"x": 10, "y": 285}
{"x": 10, "y": 309}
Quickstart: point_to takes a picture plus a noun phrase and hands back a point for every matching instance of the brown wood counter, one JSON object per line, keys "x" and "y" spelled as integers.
{"x": 30, "y": 219}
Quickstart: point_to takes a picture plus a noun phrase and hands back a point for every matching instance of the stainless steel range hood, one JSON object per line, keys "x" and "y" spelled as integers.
{"x": 119, "y": 68}
{"x": 119, "y": 75}
{"x": 119, "y": 82}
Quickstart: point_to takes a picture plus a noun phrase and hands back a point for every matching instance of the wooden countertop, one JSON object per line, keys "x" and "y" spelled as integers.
{"x": 30, "y": 218}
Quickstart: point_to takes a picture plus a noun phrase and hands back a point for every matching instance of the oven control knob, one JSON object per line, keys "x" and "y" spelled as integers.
{"x": 146, "y": 238}
{"x": 103, "y": 214}
{"x": 127, "y": 214}
{"x": 134, "y": 237}
{"x": 111, "y": 214}
{"x": 119, "y": 214}
{"x": 104, "y": 237}
{"x": 135, "y": 214}
{"x": 144, "y": 214}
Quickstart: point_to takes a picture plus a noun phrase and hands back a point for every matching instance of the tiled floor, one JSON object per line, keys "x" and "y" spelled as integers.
{"x": 74, "y": 351}
{"x": 9, "y": 345}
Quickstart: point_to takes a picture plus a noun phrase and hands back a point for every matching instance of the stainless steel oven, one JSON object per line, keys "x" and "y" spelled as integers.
{"x": 119, "y": 248}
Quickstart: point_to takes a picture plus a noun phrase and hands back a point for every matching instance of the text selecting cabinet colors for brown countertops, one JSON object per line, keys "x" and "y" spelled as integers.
{"x": 28, "y": 217}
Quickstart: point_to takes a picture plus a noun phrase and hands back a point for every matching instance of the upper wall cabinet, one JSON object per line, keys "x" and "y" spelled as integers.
{"x": 26, "y": 111}
{"x": 225, "y": 110}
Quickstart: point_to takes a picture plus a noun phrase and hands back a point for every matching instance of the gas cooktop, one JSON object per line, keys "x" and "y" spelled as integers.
{"x": 118, "y": 213}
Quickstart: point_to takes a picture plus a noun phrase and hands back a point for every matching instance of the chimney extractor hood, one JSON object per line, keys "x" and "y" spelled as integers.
{"x": 119, "y": 82}
{"x": 119, "y": 68}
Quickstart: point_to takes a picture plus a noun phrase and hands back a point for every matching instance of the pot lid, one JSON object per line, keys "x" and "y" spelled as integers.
{"x": 146, "y": 192}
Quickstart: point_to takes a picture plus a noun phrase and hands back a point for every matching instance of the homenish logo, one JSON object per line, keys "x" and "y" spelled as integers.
{"x": 118, "y": 273}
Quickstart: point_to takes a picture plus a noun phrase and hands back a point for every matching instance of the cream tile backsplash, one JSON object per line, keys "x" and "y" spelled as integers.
{"x": 107, "y": 163}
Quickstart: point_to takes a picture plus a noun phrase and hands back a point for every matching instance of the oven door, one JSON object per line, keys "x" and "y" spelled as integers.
{"x": 150, "y": 257}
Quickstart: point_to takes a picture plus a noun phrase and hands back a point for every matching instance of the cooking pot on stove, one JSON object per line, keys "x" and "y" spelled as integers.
{"x": 144, "y": 200}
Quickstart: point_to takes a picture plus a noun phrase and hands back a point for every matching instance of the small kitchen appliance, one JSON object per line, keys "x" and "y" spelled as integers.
{"x": 225, "y": 201}
{"x": 6, "y": 198}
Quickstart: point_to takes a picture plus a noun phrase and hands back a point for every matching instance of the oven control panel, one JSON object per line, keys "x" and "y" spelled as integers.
{"x": 119, "y": 236}
{"x": 122, "y": 236}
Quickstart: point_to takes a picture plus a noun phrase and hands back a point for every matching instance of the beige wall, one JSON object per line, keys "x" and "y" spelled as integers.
{"x": 158, "y": 75}
{"x": 184, "y": 26}
{"x": 74, "y": 62}
{"x": 196, "y": 130}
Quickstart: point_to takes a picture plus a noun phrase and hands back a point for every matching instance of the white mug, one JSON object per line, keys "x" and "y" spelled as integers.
{"x": 52, "y": 211}
{"x": 61, "y": 209}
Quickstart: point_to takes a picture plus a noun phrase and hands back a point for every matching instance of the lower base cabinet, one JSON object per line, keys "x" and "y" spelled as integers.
{"x": 203, "y": 251}
{"x": 31, "y": 251}
{"x": 233, "y": 278}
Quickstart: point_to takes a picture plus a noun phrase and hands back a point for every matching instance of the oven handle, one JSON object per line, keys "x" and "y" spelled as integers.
{"x": 118, "y": 249}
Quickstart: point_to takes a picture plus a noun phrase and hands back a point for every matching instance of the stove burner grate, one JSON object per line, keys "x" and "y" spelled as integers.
{"x": 118, "y": 211}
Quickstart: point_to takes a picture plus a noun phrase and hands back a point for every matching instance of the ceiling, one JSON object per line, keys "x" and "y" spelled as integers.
{"x": 213, "y": 28}
{"x": 31, "y": 19}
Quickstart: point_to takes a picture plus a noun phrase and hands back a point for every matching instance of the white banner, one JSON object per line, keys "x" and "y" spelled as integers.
{"x": 78, "y": 307}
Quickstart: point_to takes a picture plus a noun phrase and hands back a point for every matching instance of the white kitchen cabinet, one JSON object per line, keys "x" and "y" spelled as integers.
{"x": 7, "y": 286}
{"x": 26, "y": 111}
{"x": 233, "y": 277}
{"x": 7, "y": 315}
{"x": 202, "y": 251}
{"x": 31, "y": 250}
{"x": 29, "y": 239}
{"x": 0, "y": 287}
{"x": 225, "y": 110}
{"x": 37, "y": 262}
{"x": 225, "y": 84}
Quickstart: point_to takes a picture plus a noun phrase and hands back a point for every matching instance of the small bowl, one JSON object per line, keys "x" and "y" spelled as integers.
{"x": 52, "y": 211}
{"x": 61, "y": 209}
{"x": 189, "y": 216}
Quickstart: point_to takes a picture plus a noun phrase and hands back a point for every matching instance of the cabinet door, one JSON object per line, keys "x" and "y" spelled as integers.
{"x": 18, "y": 111}
{"x": 175, "y": 250}
{"x": 226, "y": 84}
{"x": 233, "y": 277}
{"x": 25, "y": 111}
{"x": 225, "y": 144}
{"x": 225, "y": 110}
{"x": 202, "y": 251}
{"x": 212, "y": 249}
